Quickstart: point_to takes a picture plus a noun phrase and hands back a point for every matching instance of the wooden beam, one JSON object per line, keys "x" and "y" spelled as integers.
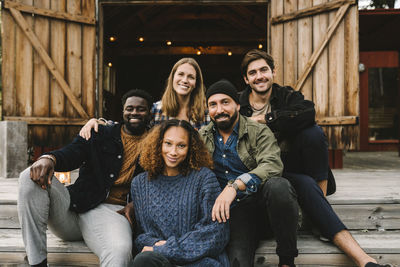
{"x": 343, "y": 120}
{"x": 47, "y": 120}
{"x": 184, "y": 2}
{"x": 48, "y": 61}
{"x": 185, "y": 50}
{"x": 311, "y": 11}
{"x": 198, "y": 37}
{"x": 49, "y": 13}
{"x": 314, "y": 57}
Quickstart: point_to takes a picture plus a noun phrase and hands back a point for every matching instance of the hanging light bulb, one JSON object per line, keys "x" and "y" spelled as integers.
{"x": 141, "y": 39}
{"x": 229, "y": 53}
{"x": 109, "y": 64}
{"x": 260, "y": 46}
{"x": 169, "y": 43}
{"x": 113, "y": 38}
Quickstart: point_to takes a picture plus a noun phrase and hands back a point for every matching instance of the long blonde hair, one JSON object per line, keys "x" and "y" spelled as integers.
{"x": 197, "y": 103}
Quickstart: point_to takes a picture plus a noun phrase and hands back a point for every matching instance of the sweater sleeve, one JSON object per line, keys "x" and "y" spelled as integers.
{"x": 143, "y": 238}
{"x": 207, "y": 238}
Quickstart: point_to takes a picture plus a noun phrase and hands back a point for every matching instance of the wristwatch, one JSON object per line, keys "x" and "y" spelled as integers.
{"x": 231, "y": 183}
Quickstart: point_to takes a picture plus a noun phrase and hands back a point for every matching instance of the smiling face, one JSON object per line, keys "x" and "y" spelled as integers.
{"x": 223, "y": 111}
{"x": 136, "y": 115}
{"x": 184, "y": 79}
{"x": 259, "y": 76}
{"x": 175, "y": 147}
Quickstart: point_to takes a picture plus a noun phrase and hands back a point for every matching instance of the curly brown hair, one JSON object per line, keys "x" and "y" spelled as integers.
{"x": 150, "y": 155}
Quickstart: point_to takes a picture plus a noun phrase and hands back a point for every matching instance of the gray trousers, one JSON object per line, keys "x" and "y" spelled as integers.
{"x": 106, "y": 233}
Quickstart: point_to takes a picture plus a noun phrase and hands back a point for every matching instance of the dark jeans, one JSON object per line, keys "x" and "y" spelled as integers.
{"x": 273, "y": 209}
{"x": 307, "y": 154}
{"x": 151, "y": 259}
{"x": 306, "y": 163}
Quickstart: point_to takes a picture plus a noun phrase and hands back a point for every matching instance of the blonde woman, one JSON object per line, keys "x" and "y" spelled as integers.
{"x": 183, "y": 99}
{"x": 184, "y": 95}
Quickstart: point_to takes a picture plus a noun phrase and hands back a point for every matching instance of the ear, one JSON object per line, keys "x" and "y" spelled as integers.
{"x": 273, "y": 73}
{"x": 245, "y": 79}
{"x": 238, "y": 107}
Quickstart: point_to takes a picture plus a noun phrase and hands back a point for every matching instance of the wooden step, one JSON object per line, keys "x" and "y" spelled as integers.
{"x": 12, "y": 250}
{"x": 355, "y": 217}
{"x": 365, "y": 200}
{"x": 382, "y": 245}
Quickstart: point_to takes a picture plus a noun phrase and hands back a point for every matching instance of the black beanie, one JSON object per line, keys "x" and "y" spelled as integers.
{"x": 223, "y": 87}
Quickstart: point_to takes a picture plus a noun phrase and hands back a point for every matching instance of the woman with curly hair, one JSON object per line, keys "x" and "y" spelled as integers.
{"x": 173, "y": 200}
{"x": 184, "y": 95}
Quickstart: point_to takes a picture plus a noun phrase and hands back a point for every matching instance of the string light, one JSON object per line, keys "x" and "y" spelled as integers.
{"x": 169, "y": 43}
{"x": 229, "y": 53}
{"x": 198, "y": 52}
{"x": 109, "y": 64}
{"x": 141, "y": 39}
{"x": 260, "y": 46}
{"x": 113, "y": 38}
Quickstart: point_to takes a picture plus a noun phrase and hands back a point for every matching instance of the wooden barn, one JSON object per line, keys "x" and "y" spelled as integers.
{"x": 66, "y": 61}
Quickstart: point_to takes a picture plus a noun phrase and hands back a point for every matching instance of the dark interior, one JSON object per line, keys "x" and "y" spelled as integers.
{"x": 214, "y": 30}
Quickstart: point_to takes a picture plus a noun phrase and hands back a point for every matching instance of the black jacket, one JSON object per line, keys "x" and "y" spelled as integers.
{"x": 290, "y": 112}
{"x": 99, "y": 160}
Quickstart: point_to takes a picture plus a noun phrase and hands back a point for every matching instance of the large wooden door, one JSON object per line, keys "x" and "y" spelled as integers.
{"x": 379, "y": 100}
{"x": 48, "y": 69}
{"x": 315, "y": 46}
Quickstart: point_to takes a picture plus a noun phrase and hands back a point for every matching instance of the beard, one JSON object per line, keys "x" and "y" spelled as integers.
{"x": 136, "y": 129}
{"x": 227, "y": 124}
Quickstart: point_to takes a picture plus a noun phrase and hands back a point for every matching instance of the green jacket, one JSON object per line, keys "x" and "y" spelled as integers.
{"x": 257, "y": 147}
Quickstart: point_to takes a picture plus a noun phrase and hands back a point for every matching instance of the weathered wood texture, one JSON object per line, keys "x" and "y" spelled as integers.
{"x": 49, "y": 65}
{"x": 355, "y": 217}
{"x": 315, "y": 45}
{"x": 17, "y": 259}
{"x": 372, "y": 215}
{"x": 384, "y": 245}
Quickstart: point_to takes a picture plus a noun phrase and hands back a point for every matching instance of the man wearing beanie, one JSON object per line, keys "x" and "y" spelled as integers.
{"x": 248, "y": 167}
{"x": 303, "y": 144}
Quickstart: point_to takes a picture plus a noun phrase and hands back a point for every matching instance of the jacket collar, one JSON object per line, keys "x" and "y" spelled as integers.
{"x": 210, "y": 129}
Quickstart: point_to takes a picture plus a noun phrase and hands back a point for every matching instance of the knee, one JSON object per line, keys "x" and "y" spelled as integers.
{"x": 118, "y": 255}
{"x": 312, "y": 136}
{"x": 279, "y": 189}
{"x": 26, "y": 186}
{"x": 147, "y": 258}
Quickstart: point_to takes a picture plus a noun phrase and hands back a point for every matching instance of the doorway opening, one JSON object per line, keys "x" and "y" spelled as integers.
{"x": 140, "y": 43}
{"x": 379, "y": 100}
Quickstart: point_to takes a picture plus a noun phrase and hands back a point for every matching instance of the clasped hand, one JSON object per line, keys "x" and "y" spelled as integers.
{"x": 158, "y": 243}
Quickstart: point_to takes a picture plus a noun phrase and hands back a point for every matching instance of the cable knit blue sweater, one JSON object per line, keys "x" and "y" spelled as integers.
{"x": 178, "y": 209}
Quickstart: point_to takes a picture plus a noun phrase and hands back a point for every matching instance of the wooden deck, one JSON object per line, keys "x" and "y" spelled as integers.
{"x": 368, "y": 202}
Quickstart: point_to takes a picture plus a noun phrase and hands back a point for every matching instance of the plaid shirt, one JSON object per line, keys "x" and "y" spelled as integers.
{"x": 159, "y": 117}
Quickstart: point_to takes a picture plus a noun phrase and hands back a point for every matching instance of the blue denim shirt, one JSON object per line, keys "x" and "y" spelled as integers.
{"x": 228, "y": 166}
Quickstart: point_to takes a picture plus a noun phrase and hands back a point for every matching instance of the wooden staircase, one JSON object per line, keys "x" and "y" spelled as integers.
{"x": 368, "y": 202}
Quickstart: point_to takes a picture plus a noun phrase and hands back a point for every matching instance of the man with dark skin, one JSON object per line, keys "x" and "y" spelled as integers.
{"x": 303, "y": 144}
{"x": 88, "y": 209}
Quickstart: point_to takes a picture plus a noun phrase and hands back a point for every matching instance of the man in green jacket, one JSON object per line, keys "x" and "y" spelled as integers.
{"x": 248, "y": 167}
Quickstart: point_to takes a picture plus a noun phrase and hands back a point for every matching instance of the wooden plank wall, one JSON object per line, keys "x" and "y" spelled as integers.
{"x": 333, "y": 82}
{"x": 29, "y": 89}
